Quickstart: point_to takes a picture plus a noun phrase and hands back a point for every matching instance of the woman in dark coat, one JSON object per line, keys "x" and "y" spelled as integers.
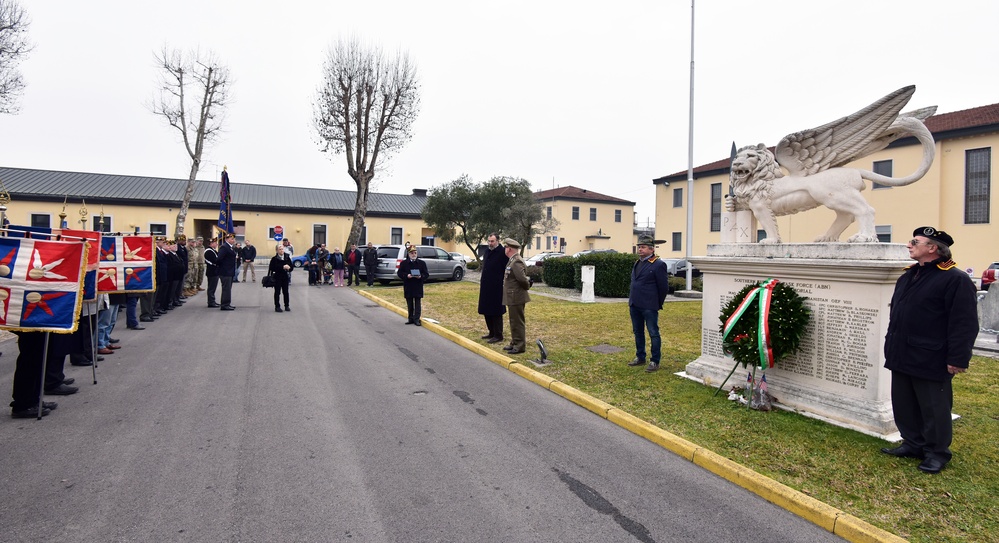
{"x": 413, "y": 273}
{"x": 491, "y": 306}
{"x": 280, "y": 270}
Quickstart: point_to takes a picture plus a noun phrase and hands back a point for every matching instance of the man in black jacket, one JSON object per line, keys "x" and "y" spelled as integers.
{"x": 931, "y": 331}
{"x": 370, "y": 263}
{"x": 227, "y": 270}
{"x": 212, "y": 270}
{"x": 491, "y": 306}
{"x": 248, "y": 253}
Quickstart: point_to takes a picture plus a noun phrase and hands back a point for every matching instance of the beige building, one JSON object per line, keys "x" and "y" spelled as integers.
{"x": 148, "y": 204}
{"x": 587, "y": 220}
{"x": 955, "y": 195}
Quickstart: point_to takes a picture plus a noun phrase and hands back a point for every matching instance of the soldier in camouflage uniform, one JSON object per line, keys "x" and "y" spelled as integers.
{"x": 200, "y": 262}
{"x": 190, "y": 280}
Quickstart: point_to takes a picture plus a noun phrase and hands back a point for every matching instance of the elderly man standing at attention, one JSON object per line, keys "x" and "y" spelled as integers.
{"x": 931, "y": 329}
{"x": 649, "y": 286}
{"x": 515, "y": 296}
{"x": 491, "y": 307}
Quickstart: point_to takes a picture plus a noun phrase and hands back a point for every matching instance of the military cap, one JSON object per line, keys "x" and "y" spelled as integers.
{"x": 934, "y": 234}
{"x": 646, "y": 239}
{"x": 160, "y": 238}
{"x": 510, "y": 242}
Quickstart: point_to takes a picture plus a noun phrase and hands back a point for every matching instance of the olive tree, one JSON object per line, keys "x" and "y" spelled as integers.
{"x": 194, "y": 92}
{"x": 365, "y": 108}
{"x": 14, "y": 46}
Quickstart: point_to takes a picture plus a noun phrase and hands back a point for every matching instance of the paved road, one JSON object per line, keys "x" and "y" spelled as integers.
{"x": 337, "y": 422}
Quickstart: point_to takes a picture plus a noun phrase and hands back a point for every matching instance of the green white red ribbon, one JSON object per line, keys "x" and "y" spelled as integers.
{"x": 765, "y": 294}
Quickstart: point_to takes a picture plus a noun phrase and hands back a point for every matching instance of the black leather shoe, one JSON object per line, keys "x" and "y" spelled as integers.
{"x": 507, "y": 348}
{"x": 409, "y": 322}
{"x": 113, "y": 340}
{"x": 136, "y": 327}
{"x": 516, "y": 351}
{"x": 145, "y": 319}
{"x": 62, "y": 390}
{"x": 931, "y": 464}
{"x": 214, "y": 305}
{"x": 278, "y": 309}
{"x": 49, "y": 405}
{"x": 99, "y": 359}
{"x": 85, "y": 362}
{"x": 228, "y": 308}
{"x": 651, "y": 367}
{"x": 903, "y": 451}
{"x": 287, "y": 308}
{"x": 28, "y": 413}
{"x": 68, "y": 381}
{"x": 487, "y": 336}
{"x": 494, "y": 340}
{"x": 418, "y": 322}
{"x": 636, "y": 362}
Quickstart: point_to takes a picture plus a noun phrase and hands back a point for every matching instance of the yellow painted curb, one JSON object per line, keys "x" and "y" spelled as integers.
{"x": 838, "y": 522}
{"x": 677, "y": 445}
{"x": 534, "y": 376}
{"x": 599, "y": 407}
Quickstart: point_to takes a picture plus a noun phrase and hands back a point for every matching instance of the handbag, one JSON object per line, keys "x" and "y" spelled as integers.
{"x": 267, "y": 281}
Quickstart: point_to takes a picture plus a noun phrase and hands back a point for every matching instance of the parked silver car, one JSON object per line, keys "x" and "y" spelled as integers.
{"x": 440, "y": 264}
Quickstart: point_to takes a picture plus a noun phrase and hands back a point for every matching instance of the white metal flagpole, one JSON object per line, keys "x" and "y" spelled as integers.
{"x": 690, "y": 158}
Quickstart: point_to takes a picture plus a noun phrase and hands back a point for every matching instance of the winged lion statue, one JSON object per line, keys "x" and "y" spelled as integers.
{"x": 815, "y": 176}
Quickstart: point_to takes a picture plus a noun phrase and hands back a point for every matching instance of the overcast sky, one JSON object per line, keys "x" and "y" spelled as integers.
{"x": 590, "y": 94}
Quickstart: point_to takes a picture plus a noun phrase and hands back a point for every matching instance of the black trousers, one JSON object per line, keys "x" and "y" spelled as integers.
{"x": 280, "y": 288}
{"x": 922, "y": 413}
{"x": 28, "y": 370}
{"x": 213, "y": 284}
{"x": 226, "y": 291}
{"x": 415, "y": 307}
{"x": 494, "y": 323}
{"x": 353, "y": 274}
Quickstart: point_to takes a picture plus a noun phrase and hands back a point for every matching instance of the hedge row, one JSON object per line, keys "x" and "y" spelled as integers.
{"x": 612, "y": 273}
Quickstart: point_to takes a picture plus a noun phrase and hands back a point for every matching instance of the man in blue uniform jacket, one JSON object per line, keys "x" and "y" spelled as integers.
{"x": 649, "y": 286}
{"x": 932, "y": 328}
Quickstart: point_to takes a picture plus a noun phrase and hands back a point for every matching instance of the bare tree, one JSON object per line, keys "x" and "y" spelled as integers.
{"x": 14, "y": 46}
{"x": 365, "y": 107}
{"x": 194, "y": 92}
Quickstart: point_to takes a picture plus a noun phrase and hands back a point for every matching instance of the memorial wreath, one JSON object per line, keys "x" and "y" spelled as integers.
{"x": 763, "y": 323}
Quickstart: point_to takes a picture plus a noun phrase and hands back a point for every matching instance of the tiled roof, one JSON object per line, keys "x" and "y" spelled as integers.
{"x": 575, "y": 193}
{"x": 157, "y": 191}
{"x": 979, "y": 119}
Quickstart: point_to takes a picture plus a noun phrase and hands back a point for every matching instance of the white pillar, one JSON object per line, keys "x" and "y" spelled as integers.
{"x": 588, "y": 274}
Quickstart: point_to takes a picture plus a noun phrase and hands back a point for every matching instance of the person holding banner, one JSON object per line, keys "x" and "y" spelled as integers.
{"x": 227, "y": 270}
{"x": 649, "y": 286}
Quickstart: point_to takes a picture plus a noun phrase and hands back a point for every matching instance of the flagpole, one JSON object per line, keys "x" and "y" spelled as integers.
{"x": 690, "y": 158}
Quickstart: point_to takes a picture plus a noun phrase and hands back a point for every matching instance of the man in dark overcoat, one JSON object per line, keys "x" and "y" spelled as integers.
{"x": 932, "y": 329}
{"x": 491, "y": 306}
{"x": 413, "y": 273}
{"x": 227, "y": 270}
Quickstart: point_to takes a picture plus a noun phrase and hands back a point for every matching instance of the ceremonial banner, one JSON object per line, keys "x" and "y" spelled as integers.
{"x": 225, "y": 205}
{"x": 41, "y": 284}
{"x": 127, "y": 264}
{"x": 90, "y": 281}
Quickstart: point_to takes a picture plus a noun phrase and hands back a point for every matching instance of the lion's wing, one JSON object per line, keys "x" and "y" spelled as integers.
{"x": 834, "y": 144}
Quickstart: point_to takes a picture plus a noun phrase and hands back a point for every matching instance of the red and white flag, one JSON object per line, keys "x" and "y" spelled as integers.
{"x": 127, "y": 264}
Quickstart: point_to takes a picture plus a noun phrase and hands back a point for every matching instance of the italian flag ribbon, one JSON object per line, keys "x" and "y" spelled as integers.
{"x": 765, "y": 294}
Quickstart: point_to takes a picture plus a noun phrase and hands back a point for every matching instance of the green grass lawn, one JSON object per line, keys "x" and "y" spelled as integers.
{"x": 840, "y": 467}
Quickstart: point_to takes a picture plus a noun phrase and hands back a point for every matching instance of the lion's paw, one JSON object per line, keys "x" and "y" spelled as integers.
{"x": 770, "y": 241}
{"x": 862, "y": 238}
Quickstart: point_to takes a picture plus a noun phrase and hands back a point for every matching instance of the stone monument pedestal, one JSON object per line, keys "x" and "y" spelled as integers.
{"x": 838, "y": 374}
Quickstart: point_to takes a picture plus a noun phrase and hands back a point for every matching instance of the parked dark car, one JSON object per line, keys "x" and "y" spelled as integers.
{"x": 440, "y": 264}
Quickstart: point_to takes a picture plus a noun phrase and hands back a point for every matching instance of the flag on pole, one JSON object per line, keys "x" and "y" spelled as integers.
{"x": 93, "y": 237}
{"x": 225, "y": 205}
{"x": 41, "y": 284}
{"x": 127, "y": 264}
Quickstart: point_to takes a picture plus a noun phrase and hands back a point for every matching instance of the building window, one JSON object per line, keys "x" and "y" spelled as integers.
{"x": 617, "y": 215}
{"x": 549, "y": 212}
{"x": 593, "y": 213}
{"x": 677, "y": 241}
{"x": 884, "y": 233}
{"x": 42, "y": 221}
{"x": 678, "y": 197}
{"x": 716, "y": 207}
{"x": 977, "y": 185}
{"x": 318, "y": 234}
{"x": 396, "y": 236}
{"x": 537, "y": 241}
{"x": 97, "y": 224}
{"x": 548, "y": 243}
{"x": 761, "y": 235}
{"x": 882, "y": 167}
{"x": 157, "y": 229}
{"x": 575, "y": 213}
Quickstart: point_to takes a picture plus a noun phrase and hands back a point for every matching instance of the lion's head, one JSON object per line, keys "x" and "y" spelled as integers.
{"x": 752, "y": 164}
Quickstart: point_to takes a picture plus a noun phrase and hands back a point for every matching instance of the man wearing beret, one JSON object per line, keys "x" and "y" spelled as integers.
{"x": 932, "y": 328}
{"x": 515, "y": 296}
{"x": 649, "y": 286}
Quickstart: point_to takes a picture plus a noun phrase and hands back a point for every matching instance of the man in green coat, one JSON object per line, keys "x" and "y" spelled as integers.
{"x": 515, "y": 296}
